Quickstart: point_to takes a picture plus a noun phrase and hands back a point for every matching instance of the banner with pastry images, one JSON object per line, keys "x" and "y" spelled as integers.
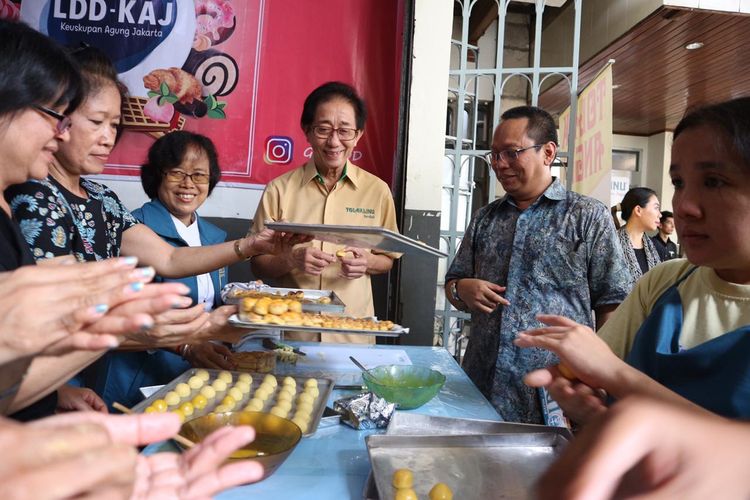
{"x": 237, "y": 71}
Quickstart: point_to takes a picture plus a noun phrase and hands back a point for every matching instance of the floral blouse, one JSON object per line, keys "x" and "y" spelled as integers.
{"x": 55, "y": 221}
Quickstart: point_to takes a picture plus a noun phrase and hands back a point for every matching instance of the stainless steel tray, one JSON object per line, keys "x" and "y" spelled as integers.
{"x": 325, "y": 385}
{"x": 414, "y": 424}
{"x": 231, "y": 291}
{"x": 473, "y": 466}
{"x": 397, "y": 330}
{"x": 359, "y": 236}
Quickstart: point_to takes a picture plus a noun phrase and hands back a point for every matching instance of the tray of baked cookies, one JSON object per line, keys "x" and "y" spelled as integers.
{"x": 310, "y": 300}
{"x": 198, "y": 392}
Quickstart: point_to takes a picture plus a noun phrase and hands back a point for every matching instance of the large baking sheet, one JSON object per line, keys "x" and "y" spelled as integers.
{"x": 475, "y": 467}
{"x": 325, "y": 385}
{"x": 414, "y": 424}
{"x": 397, "y": 330}
{"x": 231, "y": 295}
{"x": 359, "y": 236}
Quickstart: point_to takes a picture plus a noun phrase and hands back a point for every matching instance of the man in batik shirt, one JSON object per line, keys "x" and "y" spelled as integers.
{"x": 539, "y": 249}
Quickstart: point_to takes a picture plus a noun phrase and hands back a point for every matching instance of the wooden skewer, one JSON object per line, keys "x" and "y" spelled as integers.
{"x": 177, "y": 437}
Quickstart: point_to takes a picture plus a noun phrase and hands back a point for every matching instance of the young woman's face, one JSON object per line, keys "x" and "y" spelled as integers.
{"x": 28, "y": 139}
{"x": 712, "y": 203}
{"x": 92, "y": 133}
{"x": 650, "y": 215}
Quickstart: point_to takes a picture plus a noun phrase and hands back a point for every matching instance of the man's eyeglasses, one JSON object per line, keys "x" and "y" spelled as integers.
{"x": 324, "y": 132}
{"x": 179, "y": 176}
{"x": 63, "y": 122}
{"x": 508, "y": 155}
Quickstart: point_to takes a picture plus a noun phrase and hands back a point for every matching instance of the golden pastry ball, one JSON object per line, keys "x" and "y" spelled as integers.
{"x": 150, "y": 409}
{"x": 225, "y": 376}
{"x": 229, "y": 402}
{"x": 182, "y": 390}
{"x": 187, "y": 408}
{"x": 180, "y": 414}
{"x": 171, "y": 398}
{"x": 403, "y": 478}
{"x": 203, "y": 374}
{"x": 220, "y": 385}
{"x": 221, "y": 409}
{"x": 441, "y": 491}
{"x": 406, "y": 494}
{"x": 200, "y": 401}
{"x": 159, "y": 405}
{"x": 208, "y": 391}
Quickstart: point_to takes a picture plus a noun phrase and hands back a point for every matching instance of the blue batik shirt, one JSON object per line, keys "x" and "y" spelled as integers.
{"x": 560, "y": 256}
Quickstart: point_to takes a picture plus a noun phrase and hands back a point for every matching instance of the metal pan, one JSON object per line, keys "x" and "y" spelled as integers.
{"x": 232, "y": 294}
{"x": 397, "y": 330}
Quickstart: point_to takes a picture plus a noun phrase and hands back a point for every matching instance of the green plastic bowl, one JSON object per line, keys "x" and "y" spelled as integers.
{"x": 408, "y": 386}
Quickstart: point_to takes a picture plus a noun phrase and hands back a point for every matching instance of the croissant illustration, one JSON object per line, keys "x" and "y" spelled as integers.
{"x": 181, "y": 83}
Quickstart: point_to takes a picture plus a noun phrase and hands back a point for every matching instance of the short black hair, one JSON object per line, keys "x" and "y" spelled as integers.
{"x": 328, "y": 92}
{"x": 35, "y": 71}
{"x": 168, "y": 152}
{"x": 635, "y": 197}
{"x": 541, "y": 128}
{"x": 729, "y": 117}
{"x": 665, "y": 214}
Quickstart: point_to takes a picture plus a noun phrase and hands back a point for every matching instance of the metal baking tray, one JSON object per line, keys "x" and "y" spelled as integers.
{"x": 360, "y": 236}
{"x": 414, "y": 424}
{"x": 397, "y": 330}
{"x": 473, "y": 466}
{"x": 325, "y": 385}
{"x": 309, "y": 304}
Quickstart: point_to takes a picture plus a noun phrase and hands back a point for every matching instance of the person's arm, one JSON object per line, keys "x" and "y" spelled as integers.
{"x": 178, "y": 262}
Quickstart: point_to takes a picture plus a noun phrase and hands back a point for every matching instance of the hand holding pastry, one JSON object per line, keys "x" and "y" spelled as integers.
{"x": 310, "y": 260}
{"x": 353, "y": 262}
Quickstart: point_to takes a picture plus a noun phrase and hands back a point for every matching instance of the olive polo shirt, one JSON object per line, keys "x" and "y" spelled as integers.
{"x": 359, "y": 198}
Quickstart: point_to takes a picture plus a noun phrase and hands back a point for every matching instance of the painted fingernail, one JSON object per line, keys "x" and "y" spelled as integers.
{"x": 101, "y": 308}
{"x": 146, "y": 326}
{"x": 147, "y": 272}
{"x": 127, "y": 261}
{"x": 181, "y": 302}
{"x": 113, "y": 342}
{"x": 135, "y": 287}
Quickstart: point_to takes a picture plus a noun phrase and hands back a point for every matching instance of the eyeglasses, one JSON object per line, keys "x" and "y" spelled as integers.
{"x": 507, "y": 155}
{"x": 179, "y": 176}
{"x": 324, "y": 132}
{"x": 63, "y": 122}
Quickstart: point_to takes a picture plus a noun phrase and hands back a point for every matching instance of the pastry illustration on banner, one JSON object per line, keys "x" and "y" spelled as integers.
{"x": 165, "y": 52}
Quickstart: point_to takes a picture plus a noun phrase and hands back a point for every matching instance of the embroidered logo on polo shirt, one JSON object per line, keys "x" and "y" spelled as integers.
{"x": 369, "y": 213}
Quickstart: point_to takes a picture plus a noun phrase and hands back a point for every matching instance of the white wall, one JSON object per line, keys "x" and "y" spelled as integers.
{"x": 427, "y": 112}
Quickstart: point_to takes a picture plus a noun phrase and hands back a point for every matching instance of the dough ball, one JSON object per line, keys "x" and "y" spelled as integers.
{"x": 304, "y": 408}
{"x": 220, "y": 385}
{"x": 312, "y": 391}
{"x": 195, "y": 382}
{"x": 171, "y": 398}
{"x": 225, "y": 376}
{"x": 182, "y": 389}
{"x": 289, "y": 382}
{"x": 406, "y": 494}
{"x": 305, "y": 398}
{"x": 403, "y": 478}
{"x": 279, "y": 412}
{"x": 284, "y": 395}
{"x": 243, "y": 387}
{"x": 255, "y": 404}
{"x": 203, "y": 374}
{"x": 229, "y": 402}
{"x": 262, "y": 393}
{"x": 235, "y": 393}
{"x": 208, "y": 391}
{"x": 302, "y": 424}
{"x": 311, "y": 382}
{"x": 270, "y": 379}
{"x": 441, "y": 491}
{"x": 245, "y": 377}
{"x": 287, "y": 405}
{"x": 221, "y": 409}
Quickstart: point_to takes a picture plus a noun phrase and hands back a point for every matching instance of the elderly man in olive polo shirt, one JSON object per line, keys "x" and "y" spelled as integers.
{"x": 329, "y": 190}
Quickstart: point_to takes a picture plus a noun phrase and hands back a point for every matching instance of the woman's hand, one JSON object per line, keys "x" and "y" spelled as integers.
{"x": 580, "y": 350}
{"x": 480, "y": 295}
{"x": 580, "y": 402}
{"x": 356, "y": 266}
{"x": 209, "y": 355}
{"x": 647, "y": 449}
{"x": 71, "y": 398}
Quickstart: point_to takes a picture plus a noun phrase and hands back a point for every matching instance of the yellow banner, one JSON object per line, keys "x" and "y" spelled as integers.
{"x": 592, "y": 165}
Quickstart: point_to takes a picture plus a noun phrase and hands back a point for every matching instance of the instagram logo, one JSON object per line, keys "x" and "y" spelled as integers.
{"x": 278, "y": 150}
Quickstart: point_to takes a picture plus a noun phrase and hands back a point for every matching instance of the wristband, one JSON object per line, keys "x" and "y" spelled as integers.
{"x": 238, "y": 251}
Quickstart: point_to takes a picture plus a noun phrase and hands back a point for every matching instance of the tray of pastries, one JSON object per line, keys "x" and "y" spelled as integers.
{"x": 275, "y": 314}
{"x": 311, "y": 300}
{"x": 198, "y": 392}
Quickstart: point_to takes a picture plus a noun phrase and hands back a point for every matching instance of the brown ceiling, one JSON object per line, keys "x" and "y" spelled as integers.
{"x": 659, "y": 78}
